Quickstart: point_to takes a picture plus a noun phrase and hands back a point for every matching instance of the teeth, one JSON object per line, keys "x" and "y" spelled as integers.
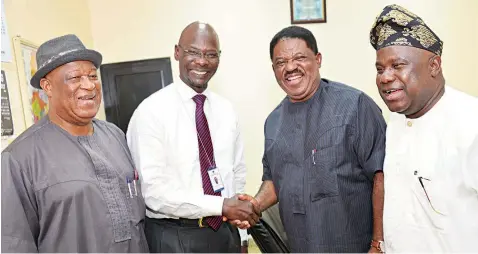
{"x": 293, "y": 78}
{"x": 87, "y": 97}
{"x": 199, "y": 72}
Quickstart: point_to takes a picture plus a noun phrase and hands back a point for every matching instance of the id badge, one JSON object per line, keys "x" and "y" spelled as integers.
{"x": 216, "y": 180}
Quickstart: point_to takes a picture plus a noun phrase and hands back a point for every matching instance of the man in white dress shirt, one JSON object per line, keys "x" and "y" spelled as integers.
{"x": 431, "y": 157}
{"x": 182, "y": 139}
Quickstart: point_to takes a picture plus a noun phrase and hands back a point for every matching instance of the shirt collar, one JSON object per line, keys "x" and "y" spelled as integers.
{"x": 187, "y": 93}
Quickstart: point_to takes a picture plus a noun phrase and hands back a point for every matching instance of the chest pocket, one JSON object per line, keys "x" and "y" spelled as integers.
{"x": 438, "y": 186}
{"x": 433, "y": 200}
{"x": 138, "y": 206}
{"x": 323, "y": 161}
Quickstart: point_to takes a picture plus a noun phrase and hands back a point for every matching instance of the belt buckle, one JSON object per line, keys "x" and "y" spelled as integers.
{"x": 201, "y": 225}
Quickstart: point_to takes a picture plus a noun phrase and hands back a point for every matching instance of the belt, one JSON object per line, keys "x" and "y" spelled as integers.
{"x": 201, "y": 223}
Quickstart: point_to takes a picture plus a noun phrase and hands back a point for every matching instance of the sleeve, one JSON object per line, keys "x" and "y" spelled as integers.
{"x": 471, "y": 165}
{"x": 240, "y": 171}
{"x": 239, "y": 163}
{"x": 370, "y": 132}
{"x": 20, "y": 225}
{"x": 243, "y": 234}
{"x": 266, "y": 175}
{"x": 146, "y": 141}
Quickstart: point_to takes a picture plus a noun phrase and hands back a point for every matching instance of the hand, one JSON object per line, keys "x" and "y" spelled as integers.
{"x": 245, "y": 224}
{"x": 235, "y": 209}
{"x": 374, "y": 250}
{"x": 250, "y": 199}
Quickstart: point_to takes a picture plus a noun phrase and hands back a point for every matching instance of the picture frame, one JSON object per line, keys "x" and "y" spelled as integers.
{"x": 308, "y": 11}
{"x": 34, "y": 101}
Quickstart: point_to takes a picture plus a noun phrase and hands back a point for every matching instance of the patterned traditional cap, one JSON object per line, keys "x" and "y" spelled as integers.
{"x": 397, "y": 26}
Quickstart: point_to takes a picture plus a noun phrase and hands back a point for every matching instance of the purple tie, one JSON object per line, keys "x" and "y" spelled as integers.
{"x": 206, "y": 155}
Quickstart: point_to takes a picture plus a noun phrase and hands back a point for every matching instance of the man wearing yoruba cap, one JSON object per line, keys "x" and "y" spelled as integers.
{"x": 431, "y": 162}
{"x": 66, "y": 180}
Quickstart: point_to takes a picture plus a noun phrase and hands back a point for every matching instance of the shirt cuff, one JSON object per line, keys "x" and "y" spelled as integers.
{"x": 212, "y": 205}
{"x": 243, "y": 234}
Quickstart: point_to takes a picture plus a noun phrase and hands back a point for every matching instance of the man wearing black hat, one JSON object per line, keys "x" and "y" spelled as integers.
{"x": 431, "y": 162}
{"x": 68, "y": 181}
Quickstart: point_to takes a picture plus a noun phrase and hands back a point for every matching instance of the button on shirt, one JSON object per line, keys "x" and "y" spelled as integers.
{"x": 441, "y": 148}
{"x": 163, "y": 141}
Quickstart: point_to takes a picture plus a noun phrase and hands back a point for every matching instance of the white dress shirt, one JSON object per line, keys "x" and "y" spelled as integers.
{"x": 163, "y": 141}
{"x": 441, "y": 146}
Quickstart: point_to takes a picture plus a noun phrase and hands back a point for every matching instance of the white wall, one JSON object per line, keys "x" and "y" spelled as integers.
{"x": 129, "y": 30}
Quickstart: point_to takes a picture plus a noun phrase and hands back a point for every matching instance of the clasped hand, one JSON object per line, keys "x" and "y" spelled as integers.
{"x": 242, "y": 211}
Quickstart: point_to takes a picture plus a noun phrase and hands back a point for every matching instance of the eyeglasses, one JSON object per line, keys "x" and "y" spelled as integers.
{"x": 196, "y": 54}
{"x": 420, "y": 179}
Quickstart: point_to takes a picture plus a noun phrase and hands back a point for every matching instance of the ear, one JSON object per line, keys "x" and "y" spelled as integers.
{"x": 318, "y": 58}
{"x": 46, "y": 85}
{"x": 176, "y": 52}
{"x": 435, "y": 66}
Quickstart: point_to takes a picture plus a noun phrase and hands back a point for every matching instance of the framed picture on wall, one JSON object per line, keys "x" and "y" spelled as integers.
{"x": 34, "y": 101}
{"x": 307, "y": 11}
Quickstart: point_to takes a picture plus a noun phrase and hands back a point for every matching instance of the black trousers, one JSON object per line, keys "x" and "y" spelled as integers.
{"x": 173, "y": 236}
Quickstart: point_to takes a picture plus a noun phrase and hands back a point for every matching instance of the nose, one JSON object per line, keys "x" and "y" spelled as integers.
{"x": 290, "y": 66}
{"x": 201, "y": 61}
{"x": 88, "y": 84}
{"x": 386, "y": 77}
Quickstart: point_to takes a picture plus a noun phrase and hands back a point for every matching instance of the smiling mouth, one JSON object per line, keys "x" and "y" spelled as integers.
{"x": 199, "y": 73}
{"x": 294, "y": 77}
{"x": 87, "y": 97}
{"x": 391, "y": 91}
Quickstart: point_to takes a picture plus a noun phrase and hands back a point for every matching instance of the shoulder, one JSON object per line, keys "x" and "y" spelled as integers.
{"x": 223, "y": 107}
{"x": 158, "y": 99}
{"x": 459, "y": 105}
{"x": 460, "y": 99}
{"x": 346, "y": 98}
{"x": 31, "y": 137}
{"x": 112, "y": 128}
{"x": 155, "y": 105}
{"x": 220, "y": 101}
{"x": 462, "y": 111}
{"x": 274, "y": 118}
{"x": 340, "y": 91}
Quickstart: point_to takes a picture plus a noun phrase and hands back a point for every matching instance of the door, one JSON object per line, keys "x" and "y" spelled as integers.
{"x": 127, "y": 84}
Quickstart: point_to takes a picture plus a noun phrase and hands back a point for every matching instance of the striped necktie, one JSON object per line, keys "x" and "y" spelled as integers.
{"x": 206, "y": 155}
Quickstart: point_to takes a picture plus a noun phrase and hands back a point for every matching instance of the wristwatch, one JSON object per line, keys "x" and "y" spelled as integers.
{"x": 379, "y": 245}
{"x": 245, "y": 243}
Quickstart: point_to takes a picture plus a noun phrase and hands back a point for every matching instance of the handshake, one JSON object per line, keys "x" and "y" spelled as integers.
{"x": 242, "y": 211}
